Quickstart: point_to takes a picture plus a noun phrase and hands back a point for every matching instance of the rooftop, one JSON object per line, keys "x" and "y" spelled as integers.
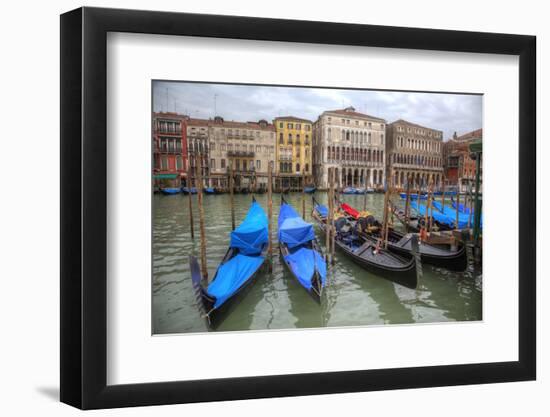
{"x": 293, "y": 119}
{"x": 350, "y": 112}
{"x": 218, "y": 121}
{"x": 406, "y": 122}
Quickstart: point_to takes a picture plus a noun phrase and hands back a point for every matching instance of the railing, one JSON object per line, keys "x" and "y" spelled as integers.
{"x": 169, "y": 132}
{"x": 162, "y": 150}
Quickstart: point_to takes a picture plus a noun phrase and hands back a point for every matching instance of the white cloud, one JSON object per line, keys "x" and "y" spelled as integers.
{"x": 447, "y": 112}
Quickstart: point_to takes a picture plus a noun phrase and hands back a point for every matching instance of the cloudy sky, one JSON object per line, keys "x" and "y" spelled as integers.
{"x": 447, "y": 112}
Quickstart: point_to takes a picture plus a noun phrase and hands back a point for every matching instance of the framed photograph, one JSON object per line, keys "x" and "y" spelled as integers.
{"x": 256, "y": 208}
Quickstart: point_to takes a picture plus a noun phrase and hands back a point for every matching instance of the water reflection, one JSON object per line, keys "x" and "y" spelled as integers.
{"x": 276, "y": 301}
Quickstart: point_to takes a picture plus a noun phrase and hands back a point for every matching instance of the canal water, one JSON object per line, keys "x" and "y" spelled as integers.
{"x": 354, "y": 297}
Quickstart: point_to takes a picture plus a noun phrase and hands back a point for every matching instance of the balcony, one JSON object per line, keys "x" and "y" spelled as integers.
{"x": 241, "y": 154}
{"x": 169, "y": 132}
{"x": 167, "y": 150}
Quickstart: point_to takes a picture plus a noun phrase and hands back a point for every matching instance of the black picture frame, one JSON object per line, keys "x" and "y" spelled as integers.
{"x": 84, "y": 207}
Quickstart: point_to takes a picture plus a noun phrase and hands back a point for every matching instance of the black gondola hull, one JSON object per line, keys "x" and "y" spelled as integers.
{"x": 455, "y": 261}
{"x": 405, "y": 275}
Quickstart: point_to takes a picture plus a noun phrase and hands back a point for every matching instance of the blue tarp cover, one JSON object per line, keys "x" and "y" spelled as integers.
{"x": 440, "y": 217}
{"x": 251, "y": 234}
{"x": 232, "y": 275}
{"x": 322, "y": 210}
{"x": 461, "y": 207}
{"x": 303, "y": 263}
{"x": 293, "y": 230}
{"x": 462, "y": 217}
{"x": 413, "y": 196}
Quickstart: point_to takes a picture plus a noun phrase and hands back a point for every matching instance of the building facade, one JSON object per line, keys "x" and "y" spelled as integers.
{"x": 170, "y": 153}
{"x": 354, "y": 144}
{"x": 460, "y": 168}
{"x": 293, "y": 152}
{"x": 414, "y": 151}
{"x": 198, "y": 146}
{"x": 246, "y": 146}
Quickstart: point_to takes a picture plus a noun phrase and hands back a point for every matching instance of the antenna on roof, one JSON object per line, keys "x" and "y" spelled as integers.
{"x": 215, "y": 105}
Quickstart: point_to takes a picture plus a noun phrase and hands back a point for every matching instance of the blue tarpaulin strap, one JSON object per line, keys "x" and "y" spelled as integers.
{"x": 251, "y": 234}
{"x": 293, "y": 230}
{"x": 232, "y": 275}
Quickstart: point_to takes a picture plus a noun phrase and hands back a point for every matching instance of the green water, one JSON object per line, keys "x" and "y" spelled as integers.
{"x": 354, "y": 297}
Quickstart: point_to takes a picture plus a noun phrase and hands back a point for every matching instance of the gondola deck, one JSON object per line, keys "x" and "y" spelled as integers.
{"x": 373, "y": 257}
{"x": 401, "y": 244}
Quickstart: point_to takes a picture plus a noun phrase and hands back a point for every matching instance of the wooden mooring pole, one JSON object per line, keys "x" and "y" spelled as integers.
{"x": 303, "y": 194}
{"x": 204, "y": 267}
{"x": 190, "y": 199}
{"x": 443, "y": 197}
{"x": 470, "y": 206}
{"x": 457, "y": 205}
{"x": 430, "y": 204}
{"x": 270, "y": 213}
{"x": 332, "y": 225}
{"x": 231, "y": 198}
{"x": 328, "y": 222}
{"x": 408, "y": 204}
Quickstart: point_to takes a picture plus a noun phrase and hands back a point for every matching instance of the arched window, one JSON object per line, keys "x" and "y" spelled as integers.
{"x": 281, "y": 139}
{"x": 290, "y": 138}
{"x": 307, "y": 167}
{"x": 297, "y": 167}
{"x": 282, "y": 167}
{"x": 347, "y": 135}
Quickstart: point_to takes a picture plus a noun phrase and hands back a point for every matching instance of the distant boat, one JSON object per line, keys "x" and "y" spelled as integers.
{"x": 186, "y": 190}
{"x": 209, "y": 190}
{"x": 309, "y": 190}
{"x": 170, "y": 191}
{"x": 370, "y": 190}
{"x": 348, "y": 190}
{"x": 360, "y": 190}
{"x": 413, "y": 196}
{"x": 238, "y": 269}
{"x": 301, "y": 252}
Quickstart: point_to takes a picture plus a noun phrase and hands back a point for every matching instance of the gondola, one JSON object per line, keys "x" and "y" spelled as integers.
{"x": 170, "y": 191}
{"x": 209, "y": 190}
{"x": 301, "y": 252}
{"x": 369, "y": 254}
{"x": 237, "y": 271}
{"x": 349, "y": 190}
{"x": 310, "y": 189}
{"x": 186, "y": 190}
{"x": 442, "y": 256}
{"x": 413, "y": 196}
{"x": 360, "y": 190}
